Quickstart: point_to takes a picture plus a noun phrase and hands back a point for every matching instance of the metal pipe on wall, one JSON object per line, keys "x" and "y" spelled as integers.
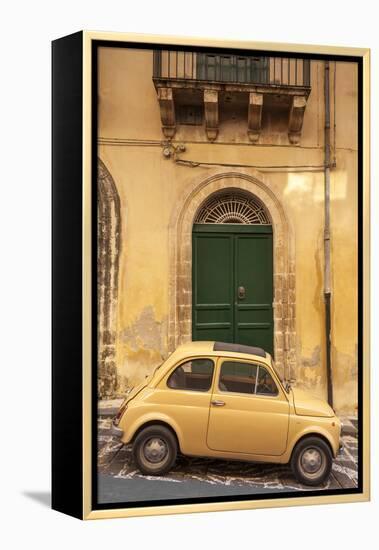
{"x": 327, "y": 269}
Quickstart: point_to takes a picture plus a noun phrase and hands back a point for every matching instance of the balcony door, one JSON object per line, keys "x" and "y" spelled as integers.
{"x": 232, "y": 68}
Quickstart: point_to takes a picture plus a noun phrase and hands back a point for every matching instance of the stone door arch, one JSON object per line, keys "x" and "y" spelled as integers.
{"x": 180, "y": 314}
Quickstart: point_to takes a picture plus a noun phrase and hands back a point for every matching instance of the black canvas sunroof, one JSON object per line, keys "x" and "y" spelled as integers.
{"x": 238, "y": 348}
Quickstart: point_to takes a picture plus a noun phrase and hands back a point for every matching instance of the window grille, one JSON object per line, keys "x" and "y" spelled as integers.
{"x": 233, "y": 207}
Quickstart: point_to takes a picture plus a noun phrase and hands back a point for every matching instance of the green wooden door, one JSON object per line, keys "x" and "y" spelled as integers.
{"x": 232, "y": 284}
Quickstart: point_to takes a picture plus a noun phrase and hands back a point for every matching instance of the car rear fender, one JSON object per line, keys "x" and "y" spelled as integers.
{"x": 149, "y": 419}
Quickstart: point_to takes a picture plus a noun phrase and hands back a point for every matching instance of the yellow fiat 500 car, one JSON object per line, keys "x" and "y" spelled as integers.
{"x": 211, "y": 399}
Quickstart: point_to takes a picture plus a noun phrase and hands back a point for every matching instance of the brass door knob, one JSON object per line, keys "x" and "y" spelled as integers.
{"x": 241, "y": 292}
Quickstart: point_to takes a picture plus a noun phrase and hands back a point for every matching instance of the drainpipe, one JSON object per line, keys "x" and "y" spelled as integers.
{"x": 327, "y": 278}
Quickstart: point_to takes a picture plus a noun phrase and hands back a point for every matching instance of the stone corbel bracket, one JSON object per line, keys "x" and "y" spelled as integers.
{"x": 167, "y": 108}
{"x": 211, "y": 113}
{"x": 255, "y": 116}
{"x": 296, "y": 118}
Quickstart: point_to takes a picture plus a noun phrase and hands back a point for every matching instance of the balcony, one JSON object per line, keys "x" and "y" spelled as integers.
{"x": 195, "y": 87}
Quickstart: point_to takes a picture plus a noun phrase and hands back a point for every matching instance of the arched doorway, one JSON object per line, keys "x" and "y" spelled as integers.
{"x": 181, "y": 268}
{"x": 232, "y": 270}
{"x": 108, "y": 253}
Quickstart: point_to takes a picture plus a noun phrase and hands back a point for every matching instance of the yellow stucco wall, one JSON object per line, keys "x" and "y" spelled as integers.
{"x": 150, "y": 187}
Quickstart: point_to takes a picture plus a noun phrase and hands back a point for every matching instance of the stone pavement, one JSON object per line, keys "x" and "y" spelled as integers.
{"x": 115, "y": 461}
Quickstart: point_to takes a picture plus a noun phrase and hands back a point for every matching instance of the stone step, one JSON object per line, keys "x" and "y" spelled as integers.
{"x": 349, "y": 426}
{"x": 108, "y": 407}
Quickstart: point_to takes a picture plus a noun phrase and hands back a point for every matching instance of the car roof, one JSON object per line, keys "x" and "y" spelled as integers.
{"x": 219, "y": 349}
{"x": 239, "y": 348}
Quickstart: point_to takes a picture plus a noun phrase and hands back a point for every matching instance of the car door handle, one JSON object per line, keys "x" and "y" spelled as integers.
{"x": 218, "y": 403}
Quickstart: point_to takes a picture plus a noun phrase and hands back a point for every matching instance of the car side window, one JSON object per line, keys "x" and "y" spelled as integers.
{"x": 238, "y": 377}
{"x": 195, "y": 375}
{"x": 265, "y": 383}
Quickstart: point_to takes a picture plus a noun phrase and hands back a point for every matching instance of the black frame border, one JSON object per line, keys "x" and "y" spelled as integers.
{"x": 67, "y": 259}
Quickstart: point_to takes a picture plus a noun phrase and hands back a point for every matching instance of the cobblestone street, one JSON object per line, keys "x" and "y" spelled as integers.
{"x": 121, "y": 481}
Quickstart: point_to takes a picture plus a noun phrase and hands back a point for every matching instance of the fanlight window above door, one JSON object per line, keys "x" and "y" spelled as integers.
{"x": 233, "y": 207}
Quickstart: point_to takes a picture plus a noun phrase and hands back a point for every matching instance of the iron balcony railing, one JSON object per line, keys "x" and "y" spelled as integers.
{"x": 225, "y": 68}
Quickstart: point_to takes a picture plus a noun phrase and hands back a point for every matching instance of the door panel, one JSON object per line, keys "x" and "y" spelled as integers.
{"x": 226, "y": 259}
{"x": 248, "y": 424}
{"x": 244, "y": 422}
{"x": 213, "y": 287}
{"x": 253, "y": 273}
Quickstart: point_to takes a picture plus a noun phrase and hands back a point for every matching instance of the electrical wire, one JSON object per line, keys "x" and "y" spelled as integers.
{"x": 160, "y": 143}
{"x": 195, "y": 164}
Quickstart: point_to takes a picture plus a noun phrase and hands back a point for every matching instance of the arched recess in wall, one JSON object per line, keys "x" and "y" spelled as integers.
{"x": 108, "y": 257}
{"x": 180, "y": 316}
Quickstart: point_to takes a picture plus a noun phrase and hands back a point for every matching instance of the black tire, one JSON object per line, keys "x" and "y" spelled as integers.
{"x": 154, "y": 450}
{"x": 311, "y": 461}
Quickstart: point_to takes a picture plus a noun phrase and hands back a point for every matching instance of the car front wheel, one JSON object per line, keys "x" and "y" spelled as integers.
{"x": 154, "y": 450}
{"x": 311, "y": 461}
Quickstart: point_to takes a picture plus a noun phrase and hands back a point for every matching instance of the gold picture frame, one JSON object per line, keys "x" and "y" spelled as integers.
{"x": 83, "y": 465}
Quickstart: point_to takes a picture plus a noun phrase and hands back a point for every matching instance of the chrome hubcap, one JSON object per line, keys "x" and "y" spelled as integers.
{"x": 311, "y": 460}
{"x": 155, "y": 449}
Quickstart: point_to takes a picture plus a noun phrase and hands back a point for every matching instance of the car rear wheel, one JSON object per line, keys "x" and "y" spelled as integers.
{"x": 311, "y": 461}
{"x": 154, "y": 450}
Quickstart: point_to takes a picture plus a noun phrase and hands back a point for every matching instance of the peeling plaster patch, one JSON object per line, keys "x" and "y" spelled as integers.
{"x": 145, "y": 346}
{"x": 314, "y": 360}
{"x": 346, "y": 365}
{"x": 310, "y": 375}
{"x": 145, "y": 332}
{"x": 345, "y": 387}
